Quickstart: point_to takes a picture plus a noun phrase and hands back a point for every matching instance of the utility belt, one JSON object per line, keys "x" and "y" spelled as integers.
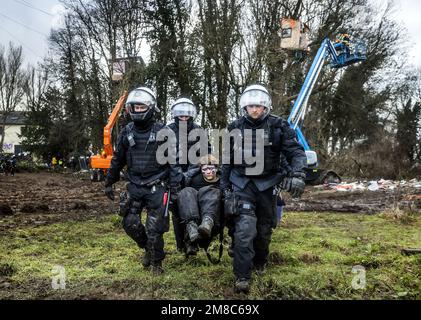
{"x": 155, "y": 183}
{"x": 127, "y": 203}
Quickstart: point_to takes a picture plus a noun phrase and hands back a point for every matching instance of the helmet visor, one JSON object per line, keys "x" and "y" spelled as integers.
{"x": 255, "y": 98}
{"x": 141, "y": 97}
{"x": 184, "y": 109}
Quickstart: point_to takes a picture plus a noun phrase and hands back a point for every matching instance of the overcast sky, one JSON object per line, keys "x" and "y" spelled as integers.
{"x": 28, "y": 22}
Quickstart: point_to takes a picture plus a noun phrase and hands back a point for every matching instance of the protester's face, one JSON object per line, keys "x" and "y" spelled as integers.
{"x": 209, "y": 172}
{"x": 184, "y": 118}
{"x": 256, "y": 112}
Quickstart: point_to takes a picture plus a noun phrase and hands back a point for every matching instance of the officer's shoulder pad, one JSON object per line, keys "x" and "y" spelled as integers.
{"x": 128, "y": 127}
{"x": 159, "y": 125}
{"x": 276, "y": 120}
{"x": 171, "y": 126}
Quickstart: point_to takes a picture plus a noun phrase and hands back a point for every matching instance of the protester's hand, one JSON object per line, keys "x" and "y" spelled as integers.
{"x": 109, "y": 192}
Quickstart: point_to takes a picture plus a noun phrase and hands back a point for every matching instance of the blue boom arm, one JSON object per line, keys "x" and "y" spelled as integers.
{"x": 338, "y": 55}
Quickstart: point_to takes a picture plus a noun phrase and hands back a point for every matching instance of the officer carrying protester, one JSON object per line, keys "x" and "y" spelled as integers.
{"x": 146, "y": 187}
{"x": 184, "y": 112}
{"x": 250, "y": 193}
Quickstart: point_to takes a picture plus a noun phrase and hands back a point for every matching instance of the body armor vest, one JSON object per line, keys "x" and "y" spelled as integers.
{"x": 272, "y": 145}
{"x": 141, "y": 154}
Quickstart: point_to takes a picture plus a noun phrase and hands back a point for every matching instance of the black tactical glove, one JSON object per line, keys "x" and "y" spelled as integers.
{"x": 109, "y": 192}
{"x": 295, "y": 184}
{"x": 124, "y": 206}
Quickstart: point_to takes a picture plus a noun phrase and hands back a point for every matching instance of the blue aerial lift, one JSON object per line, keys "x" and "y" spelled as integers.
{"x": 339, "y": 54}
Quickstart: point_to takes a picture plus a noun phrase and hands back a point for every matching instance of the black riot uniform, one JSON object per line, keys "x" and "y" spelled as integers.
{"x": 255, "y": 215}
{"x": 146, "y": 186}
{"x": 136, "y": 147}
{"x": 177, "y": 180}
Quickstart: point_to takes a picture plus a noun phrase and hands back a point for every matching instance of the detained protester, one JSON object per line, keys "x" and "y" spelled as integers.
{"x": 136, "y": 148}
{"x": 199, "y": 204}
{"x": 249, "y": 190}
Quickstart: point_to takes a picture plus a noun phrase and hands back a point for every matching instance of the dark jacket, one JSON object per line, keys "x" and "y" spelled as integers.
{"x": 197, "y": 181}
{"x": 177, "y": 170}
{"x": 282, "y": 154}
{"x": 140, "y": 158}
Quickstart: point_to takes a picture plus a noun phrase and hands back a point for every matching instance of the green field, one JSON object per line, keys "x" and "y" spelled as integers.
{"x": 312, "y": 257}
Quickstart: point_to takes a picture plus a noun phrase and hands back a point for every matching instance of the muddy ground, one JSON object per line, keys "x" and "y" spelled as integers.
{"x": 43, "y": 198}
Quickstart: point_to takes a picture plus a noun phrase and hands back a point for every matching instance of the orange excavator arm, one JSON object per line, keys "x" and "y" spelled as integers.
{"x": 108, "y": 146}
{"x": 103, "y": 160}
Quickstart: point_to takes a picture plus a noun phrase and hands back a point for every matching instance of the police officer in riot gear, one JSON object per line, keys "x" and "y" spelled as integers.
{"x": 136, "y": 148}
{"x": 251, "y": 206}
{"x": 183, "y": 111}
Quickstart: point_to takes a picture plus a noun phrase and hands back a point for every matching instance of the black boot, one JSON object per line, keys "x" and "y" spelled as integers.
{"x": 192, "y": 231}
{"x": 205, "y": 229}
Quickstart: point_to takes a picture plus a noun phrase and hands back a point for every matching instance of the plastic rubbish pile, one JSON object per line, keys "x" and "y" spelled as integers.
{"x": 375, "y": 185}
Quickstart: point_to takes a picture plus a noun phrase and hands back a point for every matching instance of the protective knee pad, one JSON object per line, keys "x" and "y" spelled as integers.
{"x": 135, "y": 229}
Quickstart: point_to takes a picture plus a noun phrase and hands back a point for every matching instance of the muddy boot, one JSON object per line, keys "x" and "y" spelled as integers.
{"x": 242, "y": 286}
{"x": 205, "y": 229}
{"x": 156, "y": 268}
{"x": 192, "y": 231}
{"x": 191, "y": 249}
{"x": 146, "y": 259}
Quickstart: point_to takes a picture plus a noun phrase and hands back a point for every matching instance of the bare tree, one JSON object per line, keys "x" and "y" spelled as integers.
{"x": 12, "y": 79}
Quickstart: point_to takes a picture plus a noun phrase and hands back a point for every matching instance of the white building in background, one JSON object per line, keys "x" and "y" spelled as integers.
{"x": 15, "y": 121}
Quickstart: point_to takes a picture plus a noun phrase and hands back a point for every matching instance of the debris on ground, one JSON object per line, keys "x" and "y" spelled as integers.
{"x": 374, "y": 185}
{"x": 359, "y": 196}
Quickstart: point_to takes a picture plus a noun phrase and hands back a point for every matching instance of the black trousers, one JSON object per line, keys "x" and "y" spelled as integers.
{"x": 178, "y": 226}
{"x": 149, "y": 237}
{"x": 194, "y": 205}
{"x": 252, "y": 229}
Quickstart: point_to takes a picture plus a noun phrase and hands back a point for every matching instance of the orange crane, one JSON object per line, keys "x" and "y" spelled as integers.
{"x": 100, "y": 163}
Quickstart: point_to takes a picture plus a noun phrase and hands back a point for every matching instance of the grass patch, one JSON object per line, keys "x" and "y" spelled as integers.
{"x": 312, "y": 257}
{"x": 399, "y": 216}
